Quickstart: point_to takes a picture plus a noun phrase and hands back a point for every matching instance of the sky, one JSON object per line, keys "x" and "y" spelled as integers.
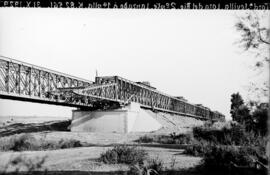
{"x": 180, "y": 52}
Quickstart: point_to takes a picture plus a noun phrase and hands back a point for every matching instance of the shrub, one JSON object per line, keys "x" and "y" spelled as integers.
{"x": 138, "y": 170}
{"x": 182, "y": 138}
{"x": 28, "y": 142}
{"x": 198, "y": 148}
{"x": 153, "y": 167}
{"x": 260, "y": 115}
{"x": 19, "y": 143}
{"x": 22, "y": 163}
{"x": 222, "y": 159}
{"x": 155, "y": 164}
{"x": 124, "y": 154}
{"x": 145, "y": 139}
{"x": 167, "y": 139}
{"x": 235, "y": 135}
{"x": 69, "y": 143}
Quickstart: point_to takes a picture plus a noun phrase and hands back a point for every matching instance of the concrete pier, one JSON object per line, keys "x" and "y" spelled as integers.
{"x": 128, "y": 119}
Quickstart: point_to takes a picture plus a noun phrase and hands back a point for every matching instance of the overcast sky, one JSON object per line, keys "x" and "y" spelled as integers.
{"x": 181, "y": 52}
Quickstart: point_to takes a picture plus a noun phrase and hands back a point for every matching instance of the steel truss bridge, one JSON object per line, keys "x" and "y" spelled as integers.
{"x": 26, "y": 82}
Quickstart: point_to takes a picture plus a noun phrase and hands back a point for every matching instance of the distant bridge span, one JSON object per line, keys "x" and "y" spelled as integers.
{"x": 26, "y": 82}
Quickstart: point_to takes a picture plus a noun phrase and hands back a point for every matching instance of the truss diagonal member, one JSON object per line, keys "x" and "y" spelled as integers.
{"x": 98, "y": 91}
{"x": 69, "y": 88}
{"x": 96, "y": 97}
{"x": 98, "y": 86}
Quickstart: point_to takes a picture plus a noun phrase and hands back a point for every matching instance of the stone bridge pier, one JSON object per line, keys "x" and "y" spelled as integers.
{"x": 131, "y": 118}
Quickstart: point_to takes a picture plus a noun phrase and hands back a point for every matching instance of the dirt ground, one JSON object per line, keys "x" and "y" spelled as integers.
{"x": 86, "y": 158}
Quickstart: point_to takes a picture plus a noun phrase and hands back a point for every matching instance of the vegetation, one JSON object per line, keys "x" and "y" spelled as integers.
{"x": 27, "y": 165}
{"x": 236, "y": 147}
{"x": 152, "y": 167}
{"x": 255, "y": 32}
{"x": 198, "y": 148}
{"x": 235, "y": 135}
{"x": 253, "y": 27}
{"x": 229, "y": 160}
{"x": 26, "y": 142}
{"x": 18, "y": 128}
{"x": 238, "y": 110}
{"x": 225, "y": 147}
{"x": 138, "y": 159}
{"x": 253, "y": 121}
{"x": 124, "y": 154}
{"x": 167, "y": 139}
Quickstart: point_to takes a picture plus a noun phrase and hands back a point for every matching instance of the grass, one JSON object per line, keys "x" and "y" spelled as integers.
{"x": 198, "y": 148}
{"x": 235, "y": 135}
{"x": 146, "y": 139}
{"x": 22, "y": 163}
{"x": 225, "y": 147}
{"x": 26, "y": 142}
{"x": 124, "y": 154}
{"x": 223, "y": 159}
{"x": 167, "y": 139}
{"x": 138, "y": 159}
{"x": 228, "y": 150}
{"x": 153, "y": 167}
{"x": 155, "y": 164}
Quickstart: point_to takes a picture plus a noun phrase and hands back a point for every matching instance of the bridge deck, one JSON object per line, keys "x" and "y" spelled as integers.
{"x": 27, "y": 82}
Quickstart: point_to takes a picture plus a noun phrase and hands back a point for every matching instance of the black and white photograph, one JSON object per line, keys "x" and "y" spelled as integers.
{"x": 140, "y": 89}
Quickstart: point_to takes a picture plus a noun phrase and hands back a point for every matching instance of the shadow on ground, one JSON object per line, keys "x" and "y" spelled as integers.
{"x": 182, "y": 172}
{"x": 197, "y": 170}
{"x": 18, "y": 128}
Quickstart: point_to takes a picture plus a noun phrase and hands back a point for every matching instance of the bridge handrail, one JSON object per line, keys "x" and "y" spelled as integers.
{"x": 153, "y": 90}
{"x": 43, "y": 68}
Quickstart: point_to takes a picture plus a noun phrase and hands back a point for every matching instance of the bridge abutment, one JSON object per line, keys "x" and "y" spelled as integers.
{"x": 124, "y": 120}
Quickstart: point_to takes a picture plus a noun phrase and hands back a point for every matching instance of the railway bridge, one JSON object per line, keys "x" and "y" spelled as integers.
{"x": 26, "y": 82}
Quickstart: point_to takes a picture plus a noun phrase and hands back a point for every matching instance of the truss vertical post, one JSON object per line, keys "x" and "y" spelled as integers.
{"x": 8, "y": 77}
{"x": 19, "y": 78}
{"x": 49, "y": 88}
{"x": 30, "y": 77}
{"x": 116, "y": 87}
{"x": 39, "y": 83}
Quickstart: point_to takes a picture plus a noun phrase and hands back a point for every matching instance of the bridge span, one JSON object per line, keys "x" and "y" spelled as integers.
{"x": 26, "y": 82}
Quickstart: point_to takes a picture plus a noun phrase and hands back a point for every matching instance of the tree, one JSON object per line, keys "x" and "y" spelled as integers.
{"x": 255, "y": 33}
{"x": 255, "y": 38}
{"x": 239, "y": 111}
{"x": 260, "y": 119}
{"x": 252, "y": 121}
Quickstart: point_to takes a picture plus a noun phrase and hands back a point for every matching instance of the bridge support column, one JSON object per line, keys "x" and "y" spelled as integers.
{"x": 124, "y": 120}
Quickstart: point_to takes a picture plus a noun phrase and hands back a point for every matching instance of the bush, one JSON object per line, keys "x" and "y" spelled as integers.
{"x": 223, "y": 159}
{"x": 220, "y": 156}
{"x": 198, "y": 148}
{"x": 165, "y": 139}
{"x": 260, "y": 116}
{"x": 145, "y": 139}
{"x": 155, "y": 164}
{"x": 182, "y": 138}
{"x": 19, "y": 143}
{"x": 26, "y": 142}
{"x": 22, "y": 163}
{"x": 235, "y": 135}
{"x": 124, "y": 154}
{"x": 69, "y": 143}
{"x": 153, "y": 167}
